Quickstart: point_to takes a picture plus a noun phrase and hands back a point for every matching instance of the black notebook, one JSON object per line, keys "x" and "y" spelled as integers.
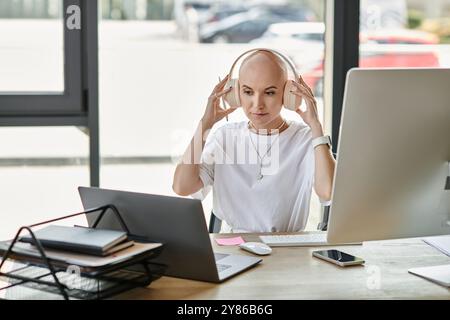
{"x": 78, "y": 239}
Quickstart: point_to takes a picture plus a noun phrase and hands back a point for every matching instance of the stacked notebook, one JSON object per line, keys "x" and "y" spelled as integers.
{"x": 97, "y": 242}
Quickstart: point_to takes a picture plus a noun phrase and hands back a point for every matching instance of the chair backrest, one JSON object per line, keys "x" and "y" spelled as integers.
{"x": 214, "y": 223}
{"x": 323, "y": 225}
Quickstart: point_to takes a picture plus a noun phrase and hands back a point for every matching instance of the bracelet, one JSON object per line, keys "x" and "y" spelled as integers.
{"x": 321, "y": 140}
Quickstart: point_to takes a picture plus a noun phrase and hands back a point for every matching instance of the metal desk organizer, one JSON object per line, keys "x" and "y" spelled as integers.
{"x": 70, "y": 281}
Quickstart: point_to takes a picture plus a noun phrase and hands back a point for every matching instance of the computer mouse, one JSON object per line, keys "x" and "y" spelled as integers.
{"x": 258, "y": 248}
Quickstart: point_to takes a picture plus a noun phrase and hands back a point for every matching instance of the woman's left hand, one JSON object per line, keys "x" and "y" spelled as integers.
{"x": 310, "y": 116}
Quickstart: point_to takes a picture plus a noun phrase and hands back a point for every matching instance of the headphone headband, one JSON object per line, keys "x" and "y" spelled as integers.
{"x": 279, "y": 54}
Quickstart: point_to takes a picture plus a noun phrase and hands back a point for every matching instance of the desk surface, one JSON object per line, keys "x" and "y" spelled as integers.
{"x": 292, "y": 273}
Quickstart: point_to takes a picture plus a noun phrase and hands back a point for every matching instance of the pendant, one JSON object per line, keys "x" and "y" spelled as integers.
{"x": 260, "y": 175}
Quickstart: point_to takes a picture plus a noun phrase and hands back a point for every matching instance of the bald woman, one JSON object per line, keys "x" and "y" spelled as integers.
{"x": 262, "y": 171}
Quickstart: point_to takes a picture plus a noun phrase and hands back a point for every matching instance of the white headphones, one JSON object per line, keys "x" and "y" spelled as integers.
{"x": 290, "y": 100}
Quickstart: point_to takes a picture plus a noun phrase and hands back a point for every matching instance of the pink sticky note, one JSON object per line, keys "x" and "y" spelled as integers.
{"x": 230, "y": 241}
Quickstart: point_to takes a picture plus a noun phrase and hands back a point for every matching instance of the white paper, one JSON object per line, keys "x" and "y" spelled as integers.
{"x": 438, "y": 274}
{"x": 442, "y": 243}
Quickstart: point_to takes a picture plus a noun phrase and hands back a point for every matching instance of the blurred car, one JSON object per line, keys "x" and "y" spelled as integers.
{"x": 251, "y": 24}
{"x": 238, "y": 28}
{"x": 398, "y": 36}
{"x": 221, "y": 11}
{"x": 375, "y": 53}
{"x": 308, "y": 31}
{"x": 188, "y": 13}
{"x": 303, "y": 42}
{"x": 291, "y": 32}
{"x": 290, "y": 12}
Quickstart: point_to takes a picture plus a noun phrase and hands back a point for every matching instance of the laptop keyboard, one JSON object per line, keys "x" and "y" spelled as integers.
{"x": 222, "y": 267}
{"x": 295, "y": 240}
{"x": 219, "y": 256}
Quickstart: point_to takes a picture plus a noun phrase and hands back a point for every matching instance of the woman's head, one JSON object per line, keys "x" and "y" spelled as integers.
{"x": 262, "y": 77}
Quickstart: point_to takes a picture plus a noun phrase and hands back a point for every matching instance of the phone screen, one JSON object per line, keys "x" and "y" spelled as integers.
{"x": 338, "y": 255}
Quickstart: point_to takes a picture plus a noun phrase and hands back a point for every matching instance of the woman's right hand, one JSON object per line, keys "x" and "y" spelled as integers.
{"x": 214, "y": 112}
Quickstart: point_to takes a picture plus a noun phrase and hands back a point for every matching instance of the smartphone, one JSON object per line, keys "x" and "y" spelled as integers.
{"x": 338, "y": 257}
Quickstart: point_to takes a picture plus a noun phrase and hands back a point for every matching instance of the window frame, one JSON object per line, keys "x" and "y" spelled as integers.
{"x": 345, "y": 55}
{"x": 68, "y": 102}
{"x": 77, "y": 105}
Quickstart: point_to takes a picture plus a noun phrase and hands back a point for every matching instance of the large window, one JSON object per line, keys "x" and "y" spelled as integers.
{"x": 40, "y": 58}
{"x": 31, "y": 47}
{"x": 40, "y": 170}
{"x": 159, "y": 60}
{"x": 45, "y": 99}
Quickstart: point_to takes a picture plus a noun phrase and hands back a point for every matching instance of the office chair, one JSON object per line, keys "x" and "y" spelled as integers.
{"x": 214, "y": 223}
{"x": 323, "y": 225}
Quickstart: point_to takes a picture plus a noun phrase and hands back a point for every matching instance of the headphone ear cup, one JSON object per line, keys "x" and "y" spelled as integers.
{"x": 290, "y": 100}
{"x": 232, "y": 97}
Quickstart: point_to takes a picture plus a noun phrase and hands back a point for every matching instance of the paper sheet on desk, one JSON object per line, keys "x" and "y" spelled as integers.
{"x": 442, "y": 243}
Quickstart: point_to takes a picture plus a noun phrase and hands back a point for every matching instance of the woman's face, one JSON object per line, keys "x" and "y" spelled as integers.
{"x": 261, "y": 88}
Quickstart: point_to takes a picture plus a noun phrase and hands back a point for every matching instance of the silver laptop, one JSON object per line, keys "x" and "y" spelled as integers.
{"x": 178, "y": 223}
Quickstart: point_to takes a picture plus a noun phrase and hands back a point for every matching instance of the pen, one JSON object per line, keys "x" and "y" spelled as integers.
{"x": 223, "y": 104}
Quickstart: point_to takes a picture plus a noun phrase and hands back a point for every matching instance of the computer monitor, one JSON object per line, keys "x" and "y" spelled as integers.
{"x": 392, "y": 173}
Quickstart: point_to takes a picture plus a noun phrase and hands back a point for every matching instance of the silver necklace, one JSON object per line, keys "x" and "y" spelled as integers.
{"x": 270, "y": 132}
{"x": 260, "y": 175}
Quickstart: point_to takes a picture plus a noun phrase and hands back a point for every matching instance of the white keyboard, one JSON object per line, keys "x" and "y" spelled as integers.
{"x": 312, "y": 239}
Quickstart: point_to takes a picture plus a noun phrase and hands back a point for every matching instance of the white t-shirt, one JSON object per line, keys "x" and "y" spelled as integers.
{"x": 277, "y": 202}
